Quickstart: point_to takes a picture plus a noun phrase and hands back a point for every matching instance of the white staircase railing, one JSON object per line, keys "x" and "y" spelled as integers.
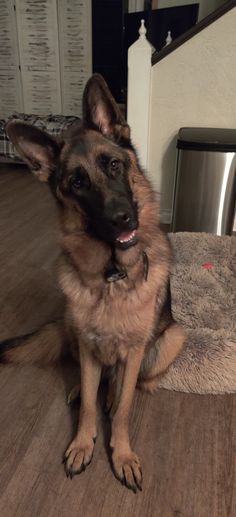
{"x": 139, "y": 92}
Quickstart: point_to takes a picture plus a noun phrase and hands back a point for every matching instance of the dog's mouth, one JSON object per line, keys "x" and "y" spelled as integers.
{"x": 126, "y": 239}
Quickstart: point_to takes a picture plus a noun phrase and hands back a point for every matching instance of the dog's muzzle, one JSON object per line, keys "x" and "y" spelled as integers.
{"x": 123, "y": 222}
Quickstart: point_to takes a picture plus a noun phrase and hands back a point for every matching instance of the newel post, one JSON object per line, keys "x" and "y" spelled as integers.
{"x": 139, "y": 90}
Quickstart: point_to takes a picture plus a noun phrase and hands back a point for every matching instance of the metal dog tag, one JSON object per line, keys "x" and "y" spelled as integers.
{"x": 114, "y": 274}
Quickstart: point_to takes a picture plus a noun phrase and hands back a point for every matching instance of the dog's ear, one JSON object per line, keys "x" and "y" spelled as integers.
{"x": 38, "y": 149}
{"x": 101, "y": 112}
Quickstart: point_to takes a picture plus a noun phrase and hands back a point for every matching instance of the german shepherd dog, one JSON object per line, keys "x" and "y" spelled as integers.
{"x": 114, "y": 271}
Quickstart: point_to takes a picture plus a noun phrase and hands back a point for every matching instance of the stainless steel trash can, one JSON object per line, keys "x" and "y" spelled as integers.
{"x": 205, "y": 185}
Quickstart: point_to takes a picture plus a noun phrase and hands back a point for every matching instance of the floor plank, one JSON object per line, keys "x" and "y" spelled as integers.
{"x": 186, "y": 442}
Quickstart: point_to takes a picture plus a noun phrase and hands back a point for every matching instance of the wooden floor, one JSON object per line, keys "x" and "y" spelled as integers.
{"x": 186, "y": 443}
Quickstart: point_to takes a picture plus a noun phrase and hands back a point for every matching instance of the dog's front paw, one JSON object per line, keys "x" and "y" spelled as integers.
{"x": 127, "y": 469}
{"x": 78, "y": 455}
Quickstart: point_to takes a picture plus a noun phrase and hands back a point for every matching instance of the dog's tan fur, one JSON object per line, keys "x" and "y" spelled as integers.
{"x": 126, "y": 325}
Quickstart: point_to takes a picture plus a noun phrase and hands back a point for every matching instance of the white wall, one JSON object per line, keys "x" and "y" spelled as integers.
{"x": 195, "y": 85}
{"x": 208, "y": 6}
{"x": 205, "y": 6}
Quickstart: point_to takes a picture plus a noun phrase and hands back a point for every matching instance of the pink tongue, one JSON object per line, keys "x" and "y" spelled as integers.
{"x": 125, "y": 236}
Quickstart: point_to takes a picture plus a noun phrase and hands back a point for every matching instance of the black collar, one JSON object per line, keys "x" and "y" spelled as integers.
{"x": 113, "y": 273}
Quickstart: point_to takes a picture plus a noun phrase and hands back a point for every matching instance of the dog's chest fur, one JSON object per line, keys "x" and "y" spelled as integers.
{"x": 111, "y": 319}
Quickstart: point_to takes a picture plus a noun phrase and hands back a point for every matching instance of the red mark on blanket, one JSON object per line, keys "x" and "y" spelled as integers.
{"x": 208, "y": 265}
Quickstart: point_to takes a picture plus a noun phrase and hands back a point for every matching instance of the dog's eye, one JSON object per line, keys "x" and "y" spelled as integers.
{"x": 78, "y": 181}
{"x": 114, "y": 164}
{"x": 115, "y": 168}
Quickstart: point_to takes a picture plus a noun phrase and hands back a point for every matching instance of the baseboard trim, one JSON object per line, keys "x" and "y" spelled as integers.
{"x": 166, "y": 217}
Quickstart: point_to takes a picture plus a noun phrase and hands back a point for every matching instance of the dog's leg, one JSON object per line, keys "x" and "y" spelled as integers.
{"x": 125, "y": 462}
{"x": 169, "y": 345}
{"x": 80, "y": 451}
{"x": 114, "y": 390}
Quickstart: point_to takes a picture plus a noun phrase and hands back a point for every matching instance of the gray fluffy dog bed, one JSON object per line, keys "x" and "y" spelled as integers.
{"x": 203, "y": 290}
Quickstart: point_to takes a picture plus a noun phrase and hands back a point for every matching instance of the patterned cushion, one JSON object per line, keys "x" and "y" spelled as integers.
{"x": 53, "y": 124}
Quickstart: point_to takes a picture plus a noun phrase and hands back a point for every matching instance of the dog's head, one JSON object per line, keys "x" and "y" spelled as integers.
{"x": 89, "y": 170}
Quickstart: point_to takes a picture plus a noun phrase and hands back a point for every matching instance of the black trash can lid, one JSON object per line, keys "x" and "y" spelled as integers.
{"x": 207, "y": 139}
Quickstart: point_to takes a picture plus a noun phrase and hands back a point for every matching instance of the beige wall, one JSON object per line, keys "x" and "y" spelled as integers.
{"x": 205, "y": 6}
{"x": 193, "y": 86}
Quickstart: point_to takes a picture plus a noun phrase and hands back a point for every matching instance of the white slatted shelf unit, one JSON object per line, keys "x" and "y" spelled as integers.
{"x": 10, "y": 77}
{"x": 39, "y": 55}
{"x": 75, "y": 45}
{"x": 45, "y": 55}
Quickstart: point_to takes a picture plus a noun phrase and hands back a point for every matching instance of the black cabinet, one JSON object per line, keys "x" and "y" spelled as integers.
{"x": 114, "y": 30}
{"x": 107, "y": 30}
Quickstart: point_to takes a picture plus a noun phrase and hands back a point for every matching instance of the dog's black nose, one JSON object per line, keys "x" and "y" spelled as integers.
{"x": 120, "y": 218}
